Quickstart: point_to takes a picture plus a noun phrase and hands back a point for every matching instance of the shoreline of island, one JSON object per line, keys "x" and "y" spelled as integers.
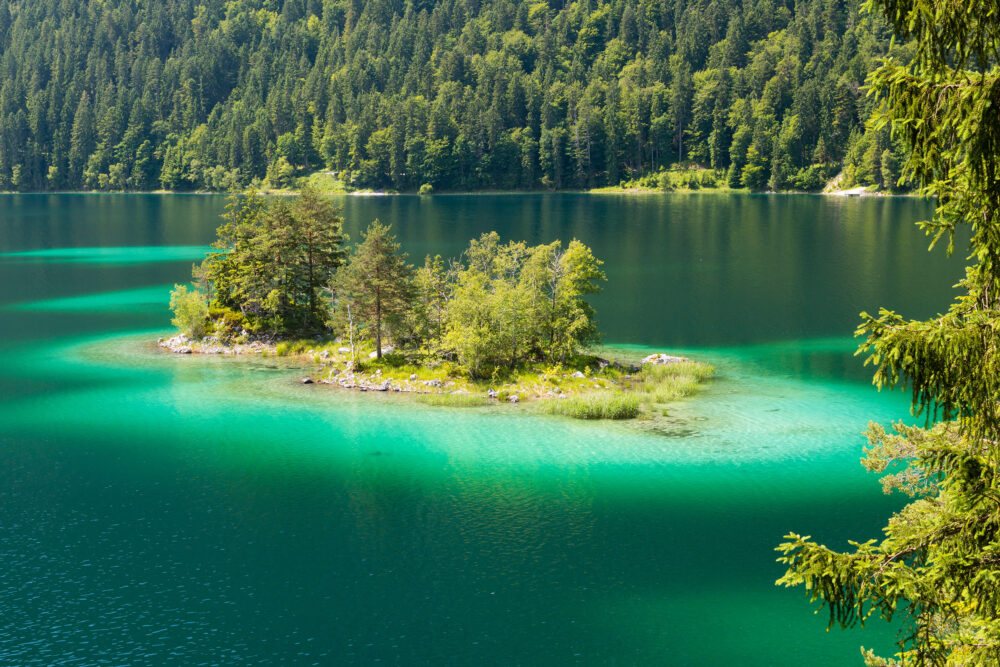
{"x": 590, "y": 386}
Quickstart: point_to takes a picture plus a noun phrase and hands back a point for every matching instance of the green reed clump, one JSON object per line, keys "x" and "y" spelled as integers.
{"x": 658, "y": 383}
{"x": 289, "y": 348}
{"x": 595, "y": 405}
{"x": 453, "y": 400}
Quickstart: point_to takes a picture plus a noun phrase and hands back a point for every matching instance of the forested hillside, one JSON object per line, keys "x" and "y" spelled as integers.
{"x": 460, "y": 94}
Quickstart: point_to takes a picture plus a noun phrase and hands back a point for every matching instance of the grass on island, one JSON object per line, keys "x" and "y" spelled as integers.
{"x": 453, "y": 400}
{"x": 595, "y": 405}
{"x": 640, "y": 393}
{"x": 658, "y": 384}
{"x": 580, "y": 389}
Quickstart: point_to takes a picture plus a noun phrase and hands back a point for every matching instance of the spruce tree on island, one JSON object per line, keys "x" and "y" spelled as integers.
{"x": 376, "y": 282}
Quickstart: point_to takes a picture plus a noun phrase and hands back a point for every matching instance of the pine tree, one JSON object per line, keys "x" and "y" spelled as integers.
{"x": 319, "y": 238}
{"x": 376, "y": 281}
{"x": 82, "y": 137}
{"x": 939, "y": 566}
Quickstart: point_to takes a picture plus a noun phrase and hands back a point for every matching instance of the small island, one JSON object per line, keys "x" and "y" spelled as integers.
{"x": 504, "y": 322}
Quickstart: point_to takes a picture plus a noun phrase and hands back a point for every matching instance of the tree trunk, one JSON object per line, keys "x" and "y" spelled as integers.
{"x": 350, "y": 330}
{"x": 312, "y": 289}
{"x": 378, "y": 327}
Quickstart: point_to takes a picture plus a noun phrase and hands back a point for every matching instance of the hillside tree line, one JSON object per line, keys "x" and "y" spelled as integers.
{"x": 457, "y": 94}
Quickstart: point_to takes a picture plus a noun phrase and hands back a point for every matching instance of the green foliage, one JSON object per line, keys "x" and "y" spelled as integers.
{"x": 453, "y": 400}
{"x": 664, "y": 182}
{"x": 669, "y": 180}
{"x": 814, "y": 177}
{"x": 137, "y": 95}
{"x": 595, "y": 405}
{"x": 937, "y": 570}
{"x": 426, "y": 189}
{"x": 376, "y": 283}
{"x": 663, "y": 383}
{"x": 755, "y": 173}
{"x": 229, "y": 324}
{"x": 290, "y": 348}
{"x": 488, "y": 319}
{"x": 190, "y": 311}
{"x": 511, "y": 303}
{"x": 499, "y": 306}
{"x": 428, "y": 313}
{"x": 272, "y": 262}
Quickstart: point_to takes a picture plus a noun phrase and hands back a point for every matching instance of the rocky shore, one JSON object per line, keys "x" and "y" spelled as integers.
{"x": 181, "y": 344}
{"x": 347, "y": 378}
{"x": 332, "y": 364}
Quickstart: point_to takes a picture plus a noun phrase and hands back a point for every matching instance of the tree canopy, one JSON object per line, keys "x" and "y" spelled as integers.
{"x": 272, "y": 262}
{"x": 376, "y": 282}
{"x": 452, "y": 94}
{"x": 938, "y": 569}
{"x": 280, "y": 269}
{"x": 497, "y": 307}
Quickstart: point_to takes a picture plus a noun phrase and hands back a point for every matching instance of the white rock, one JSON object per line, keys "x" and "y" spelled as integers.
{"x": 663, "y": 359}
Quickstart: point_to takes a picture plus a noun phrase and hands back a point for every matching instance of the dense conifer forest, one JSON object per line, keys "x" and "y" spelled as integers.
{"x": 457, "y": 94}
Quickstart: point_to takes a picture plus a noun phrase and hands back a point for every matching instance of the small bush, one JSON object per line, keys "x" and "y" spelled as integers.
{"x": 650, "y": 181}
{"x": 665, "y": 182}
{"x": 596, "y": 405}
{"x": 393, "y": 360}
{"x": 426, "y": 189}
{"x": 229, "y": 324}
{"x": 190, "y": 311}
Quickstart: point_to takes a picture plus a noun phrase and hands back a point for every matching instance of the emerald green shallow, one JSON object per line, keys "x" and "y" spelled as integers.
{"x": 189, "y": 510}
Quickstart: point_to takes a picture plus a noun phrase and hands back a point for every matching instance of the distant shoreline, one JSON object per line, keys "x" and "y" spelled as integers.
{"x": 858, "y": 193}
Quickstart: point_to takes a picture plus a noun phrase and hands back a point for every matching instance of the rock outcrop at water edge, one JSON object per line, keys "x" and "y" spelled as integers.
{"x": 181, "y": 344}
{"x": 664, "y": 359}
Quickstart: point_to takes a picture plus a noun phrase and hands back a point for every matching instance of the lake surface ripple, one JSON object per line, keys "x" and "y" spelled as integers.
{"x": 156, "y": 509}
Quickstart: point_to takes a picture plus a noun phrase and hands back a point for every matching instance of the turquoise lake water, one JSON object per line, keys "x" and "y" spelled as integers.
{"x": 157, "y": 509}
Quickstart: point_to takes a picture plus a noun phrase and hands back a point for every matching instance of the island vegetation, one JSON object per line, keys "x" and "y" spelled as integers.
{"x": 935, "y": 573}
{"x": 411, "y": 96}
{"x": 505, "y": 321}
